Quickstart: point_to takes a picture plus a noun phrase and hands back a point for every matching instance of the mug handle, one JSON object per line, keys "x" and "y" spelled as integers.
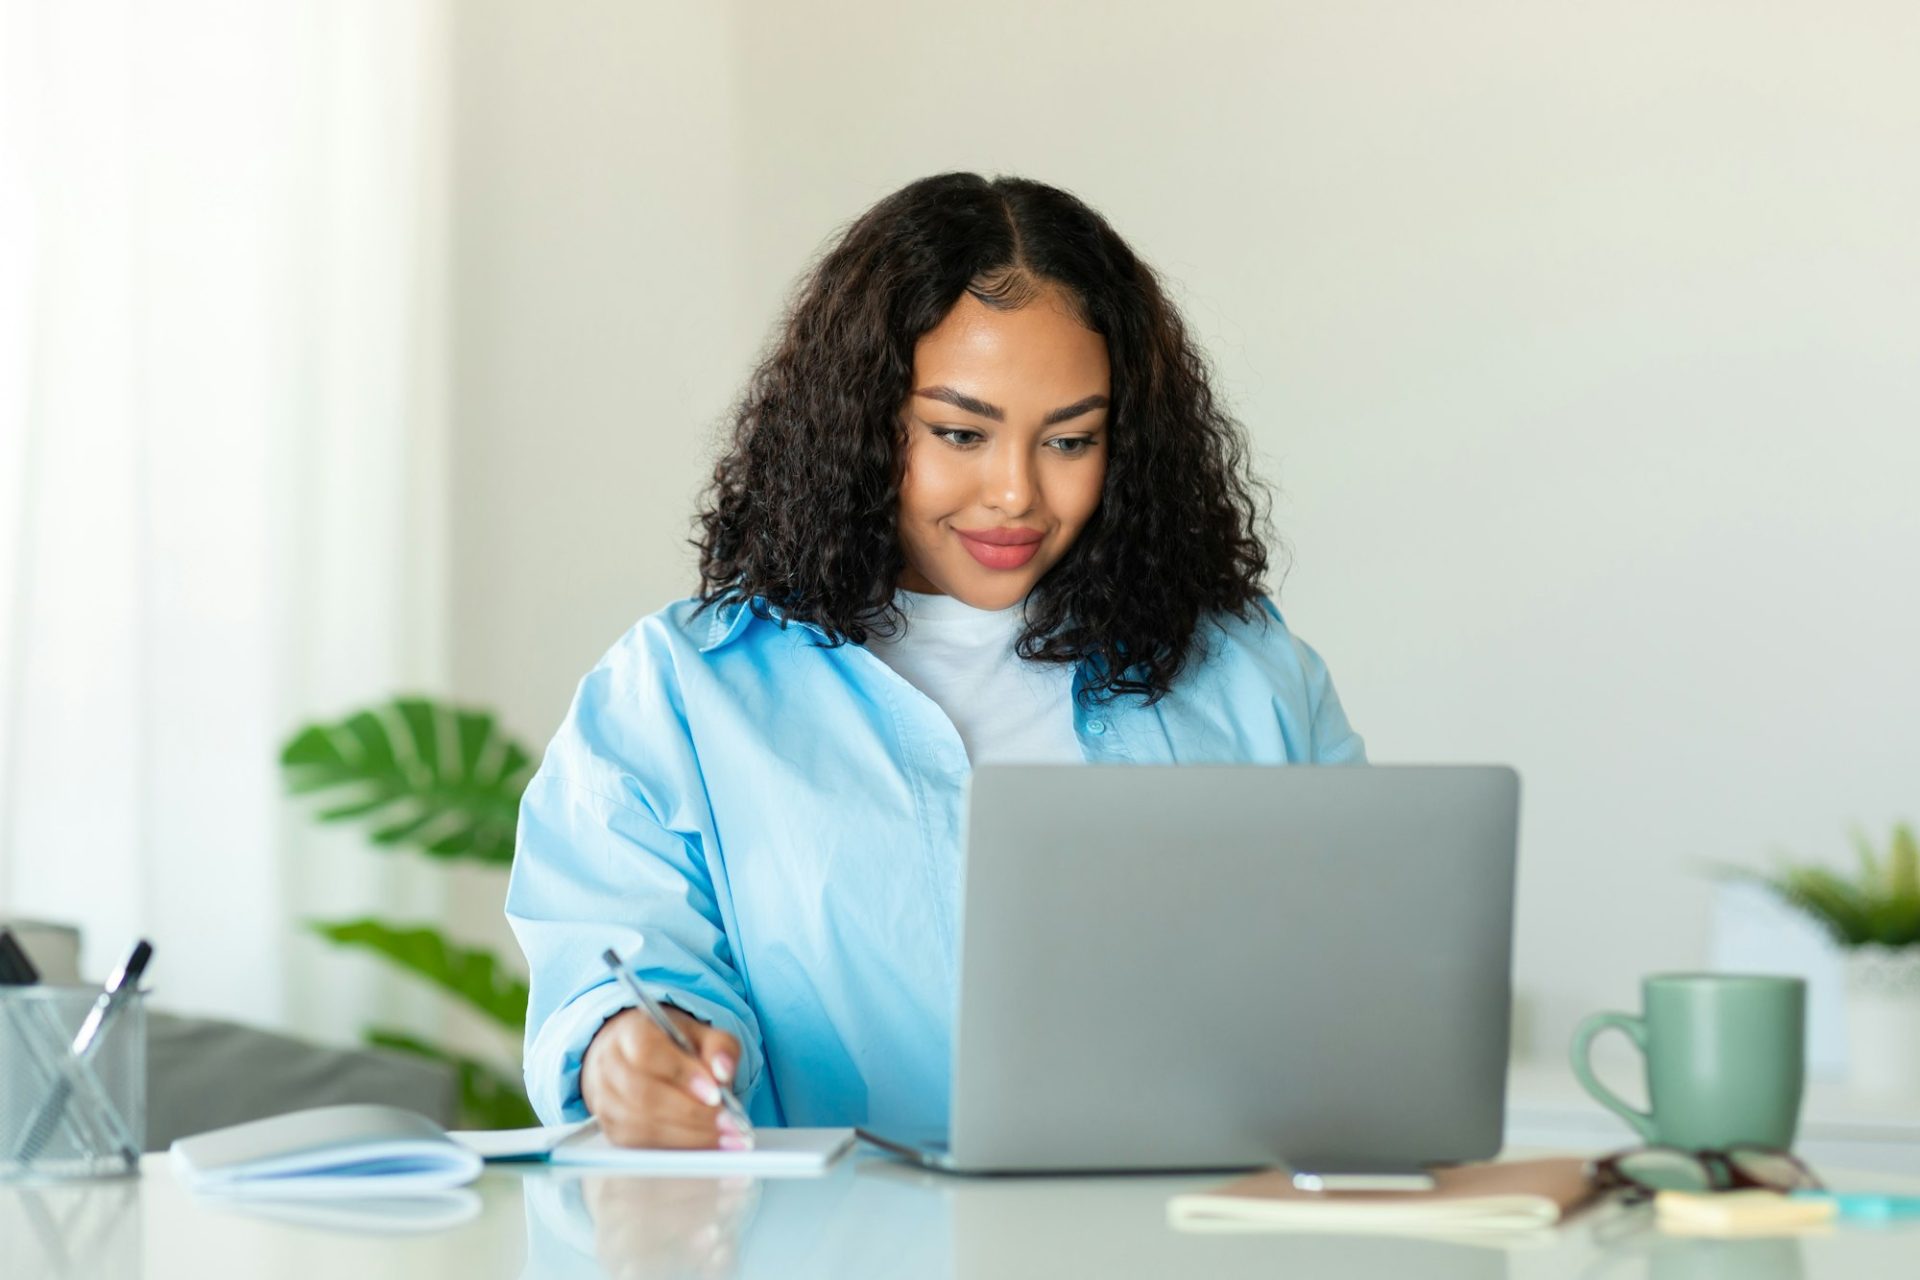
{"x": 1583, "y": 1037}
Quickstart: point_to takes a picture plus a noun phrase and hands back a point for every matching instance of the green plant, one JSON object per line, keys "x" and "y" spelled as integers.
{"x": 1879, "y": 905}
{"x": 446, "y": 782}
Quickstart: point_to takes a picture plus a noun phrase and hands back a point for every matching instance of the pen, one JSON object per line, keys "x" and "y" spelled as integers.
{"x": 122, "y": 984}
{"x": 728, "y": 1098}
{"x": 106, "y": 1006}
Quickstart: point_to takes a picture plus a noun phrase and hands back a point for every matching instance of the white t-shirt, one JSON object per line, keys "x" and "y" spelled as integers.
{"x": 1008, "y": 710}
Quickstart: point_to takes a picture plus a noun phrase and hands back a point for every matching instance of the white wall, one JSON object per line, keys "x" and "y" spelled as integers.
{"x": 596, "y": 339}
{"x": 1581, "y": 340}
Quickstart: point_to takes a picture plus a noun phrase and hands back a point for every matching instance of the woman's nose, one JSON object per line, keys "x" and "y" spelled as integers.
{"x": 1010, "y": 482}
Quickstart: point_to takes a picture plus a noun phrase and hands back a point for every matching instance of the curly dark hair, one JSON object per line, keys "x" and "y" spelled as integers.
{"x": 801, "y": 512}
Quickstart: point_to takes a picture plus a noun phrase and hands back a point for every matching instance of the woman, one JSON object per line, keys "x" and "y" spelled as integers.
{"x": 979, "y": 505}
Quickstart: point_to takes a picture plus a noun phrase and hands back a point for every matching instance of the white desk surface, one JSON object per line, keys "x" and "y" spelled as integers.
{"x": 867, "y": 1217}
{"x": 1546, "y": 1107}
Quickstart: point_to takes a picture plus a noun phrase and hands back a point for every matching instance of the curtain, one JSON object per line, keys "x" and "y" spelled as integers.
{"x": 222, "y": 464}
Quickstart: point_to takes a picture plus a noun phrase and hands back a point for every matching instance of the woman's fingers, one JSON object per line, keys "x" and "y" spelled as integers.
{"x": 642, "y": 1111}
{"x": 646, "y": 1091}
{"x": 664, "y": 1060}
{"x": 719, "y": 1052}
{"x": 671, "y": 1103}
{"x": 646, "y": 1048}
{"x": 628, "y": 1127}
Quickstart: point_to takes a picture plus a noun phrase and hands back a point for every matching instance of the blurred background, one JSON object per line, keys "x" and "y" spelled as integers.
{"x": 352, "y": 349}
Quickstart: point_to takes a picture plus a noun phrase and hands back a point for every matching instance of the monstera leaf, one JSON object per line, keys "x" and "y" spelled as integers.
{"x": 441, "y": 779}
{"x": 471, "y": 975}
{"x": 445, "y": 781}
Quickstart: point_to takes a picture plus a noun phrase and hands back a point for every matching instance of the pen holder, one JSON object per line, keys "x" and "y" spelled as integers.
{"x": 62, "y": 1116}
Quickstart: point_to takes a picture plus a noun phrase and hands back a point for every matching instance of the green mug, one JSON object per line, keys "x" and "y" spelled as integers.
{"x": 1725, "y": 1054}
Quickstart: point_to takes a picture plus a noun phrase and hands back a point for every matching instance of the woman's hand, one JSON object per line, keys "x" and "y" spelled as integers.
{"x": 647, "y": 1093}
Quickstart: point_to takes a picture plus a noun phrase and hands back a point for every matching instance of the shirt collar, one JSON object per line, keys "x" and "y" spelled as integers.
{"x": 728, "y": 619}
{"x": 732, "y": 617}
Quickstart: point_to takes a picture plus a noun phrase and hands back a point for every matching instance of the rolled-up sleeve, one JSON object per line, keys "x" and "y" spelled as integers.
{"x": 615, "y": 846}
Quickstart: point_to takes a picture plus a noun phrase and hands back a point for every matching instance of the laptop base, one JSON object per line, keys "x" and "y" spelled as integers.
{"x": 928, "y": 1155}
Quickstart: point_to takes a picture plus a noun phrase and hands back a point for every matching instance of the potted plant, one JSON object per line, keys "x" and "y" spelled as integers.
{"x": 445, "y": 782}
{"x": 1875, "y": 916}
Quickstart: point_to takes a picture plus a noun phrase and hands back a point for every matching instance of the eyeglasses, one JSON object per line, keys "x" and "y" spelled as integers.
{"x": 1644, "y": 1171}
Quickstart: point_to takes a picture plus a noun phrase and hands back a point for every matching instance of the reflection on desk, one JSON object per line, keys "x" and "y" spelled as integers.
{"x": 873, "y": 1217}
{"x": 867, "y": 1217}
{"x": 861, "y": 1219}
{"x": 1647, "y": 1253}
{"x": 73, "y": 1229}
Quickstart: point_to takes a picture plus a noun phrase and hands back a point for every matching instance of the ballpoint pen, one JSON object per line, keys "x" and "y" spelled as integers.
{"x": 106, "y": 1006}
{"x": 728, "y": 1098}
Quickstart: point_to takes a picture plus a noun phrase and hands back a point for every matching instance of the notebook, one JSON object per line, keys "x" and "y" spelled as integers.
{"x": 1474, "y": 1199}
{"x": 776, "y": 1152}
{"x": 1752, "y": 1212}
{"x": 348, "y": 1151}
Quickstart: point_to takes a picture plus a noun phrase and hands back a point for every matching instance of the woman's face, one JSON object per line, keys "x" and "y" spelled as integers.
{"x": 1006, "y": 448}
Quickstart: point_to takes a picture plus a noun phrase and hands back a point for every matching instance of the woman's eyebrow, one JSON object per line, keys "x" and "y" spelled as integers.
{"x": 960, "y": 400}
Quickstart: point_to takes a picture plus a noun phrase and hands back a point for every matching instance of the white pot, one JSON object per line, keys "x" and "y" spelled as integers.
{"x": 1883, "y": 1020}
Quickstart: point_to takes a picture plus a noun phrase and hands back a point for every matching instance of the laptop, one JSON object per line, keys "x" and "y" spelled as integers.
{"x": 1169, "y": 967}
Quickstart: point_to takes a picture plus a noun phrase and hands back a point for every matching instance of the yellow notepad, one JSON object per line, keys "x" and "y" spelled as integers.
{"x": 1738, "y": 1213}
{"x": 1493, "y": 1198}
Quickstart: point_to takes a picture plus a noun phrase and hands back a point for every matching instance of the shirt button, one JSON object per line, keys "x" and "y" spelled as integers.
{"x": 1096, "y": 727}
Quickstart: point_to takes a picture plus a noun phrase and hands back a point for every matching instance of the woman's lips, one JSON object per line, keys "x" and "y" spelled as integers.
{"x": 994, "y": 556}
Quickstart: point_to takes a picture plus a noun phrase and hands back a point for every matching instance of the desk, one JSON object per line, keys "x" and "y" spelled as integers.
{"x": 868, "y": 1217}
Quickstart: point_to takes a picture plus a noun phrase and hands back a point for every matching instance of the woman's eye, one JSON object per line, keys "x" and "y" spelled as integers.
{"x": 961, "y": 438}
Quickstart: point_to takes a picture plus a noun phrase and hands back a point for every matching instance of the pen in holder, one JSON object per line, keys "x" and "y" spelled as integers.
{"x": 68, "y": 1115}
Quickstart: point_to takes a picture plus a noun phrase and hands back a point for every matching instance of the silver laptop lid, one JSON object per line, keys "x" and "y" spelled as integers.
{"x": 1221, "y": 965}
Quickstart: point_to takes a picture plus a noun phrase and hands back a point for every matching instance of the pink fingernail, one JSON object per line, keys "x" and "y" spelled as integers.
{"x": 734, "y": 1142}
{"x": 729, "y": 1125}
{"x": 723, "y": 1068}
{"x": 706, "y": 1090}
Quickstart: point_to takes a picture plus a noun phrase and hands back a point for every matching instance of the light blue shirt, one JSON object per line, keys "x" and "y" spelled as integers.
{"x": 782, "y": 822}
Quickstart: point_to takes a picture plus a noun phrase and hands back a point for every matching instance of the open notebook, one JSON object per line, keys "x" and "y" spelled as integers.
{"x": 362, "y": 1150}
{"x": 1474, "y": 1199}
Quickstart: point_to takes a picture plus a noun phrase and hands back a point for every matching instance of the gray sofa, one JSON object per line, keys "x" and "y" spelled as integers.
{"x": 203, "y": 1073}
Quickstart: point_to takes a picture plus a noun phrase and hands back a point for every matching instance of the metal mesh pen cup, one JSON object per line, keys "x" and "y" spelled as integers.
{"x": 62, "y": 1116}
